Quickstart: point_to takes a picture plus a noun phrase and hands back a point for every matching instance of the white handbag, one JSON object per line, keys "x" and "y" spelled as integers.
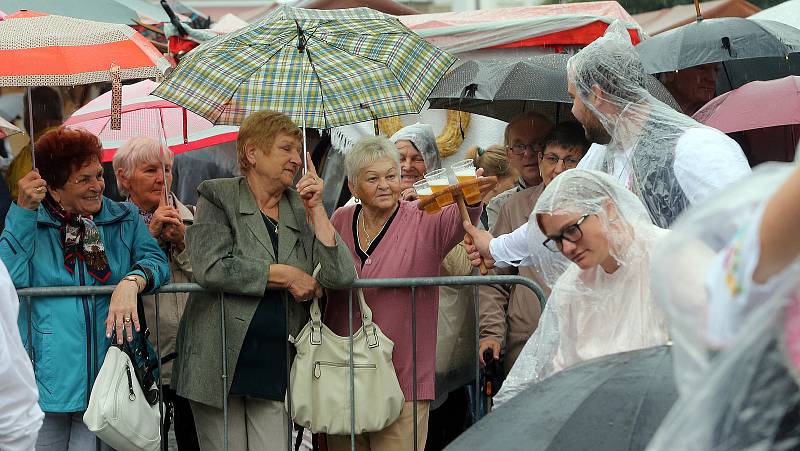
{"x": 118, "y": 412}
{"x": 320, "y": 377}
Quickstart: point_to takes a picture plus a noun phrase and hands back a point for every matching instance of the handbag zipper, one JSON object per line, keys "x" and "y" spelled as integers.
{"x": 131, "y": 395}
{"x": 358, "y": 366}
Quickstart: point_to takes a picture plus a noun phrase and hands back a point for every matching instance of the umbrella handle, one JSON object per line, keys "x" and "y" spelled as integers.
{"x": 30, "y": 126}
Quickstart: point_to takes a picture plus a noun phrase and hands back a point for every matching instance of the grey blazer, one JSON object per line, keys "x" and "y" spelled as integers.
{"x": 231, "y": 252}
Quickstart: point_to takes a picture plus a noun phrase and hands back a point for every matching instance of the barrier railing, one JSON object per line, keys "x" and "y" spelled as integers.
{"x": 411, "y": 283}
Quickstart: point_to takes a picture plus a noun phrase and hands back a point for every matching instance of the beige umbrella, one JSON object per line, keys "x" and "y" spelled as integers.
{"x": 7, "y": 129}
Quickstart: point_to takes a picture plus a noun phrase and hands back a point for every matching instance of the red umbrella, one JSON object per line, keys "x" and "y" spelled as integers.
{"x": 758, "y": 104}
{"x": 766, "y": 112}
{"x": 40, "y": 49}
{"x": 147, "y": 115}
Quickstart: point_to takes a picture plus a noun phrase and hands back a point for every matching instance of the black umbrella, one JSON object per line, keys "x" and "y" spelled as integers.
{"x": 720, "y": 41}
{"x": 503, "y": 89}
{"x": 612, "y": 403}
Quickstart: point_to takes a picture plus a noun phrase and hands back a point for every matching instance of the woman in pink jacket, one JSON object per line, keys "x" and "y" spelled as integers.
{"x": 390, "y": 238}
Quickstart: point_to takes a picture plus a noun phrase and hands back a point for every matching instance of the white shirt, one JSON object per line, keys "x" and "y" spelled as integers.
{"x": 706, "y": 160}
{"x": 20, "y": 415}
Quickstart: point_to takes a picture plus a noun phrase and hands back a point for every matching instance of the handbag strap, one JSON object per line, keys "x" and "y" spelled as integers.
{"x": 366, "y": 317}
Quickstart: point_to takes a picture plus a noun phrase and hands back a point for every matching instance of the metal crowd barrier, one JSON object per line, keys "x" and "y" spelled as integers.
{"x": 411, "y": 283}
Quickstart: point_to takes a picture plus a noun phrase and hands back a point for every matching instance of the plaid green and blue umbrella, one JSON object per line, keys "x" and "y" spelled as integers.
{"x": 338, "y": 66}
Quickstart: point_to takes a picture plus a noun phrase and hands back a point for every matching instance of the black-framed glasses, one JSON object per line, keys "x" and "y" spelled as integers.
{"x": 553, "y": 159}
{"x": 570, "y": 233}
{"x": 519, "y": 148}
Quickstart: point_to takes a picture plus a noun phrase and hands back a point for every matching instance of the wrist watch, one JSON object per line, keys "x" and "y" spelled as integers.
{"x": 132, "y": 279}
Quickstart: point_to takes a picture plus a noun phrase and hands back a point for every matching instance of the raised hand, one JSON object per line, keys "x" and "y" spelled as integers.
{"x": 32, "y": 189}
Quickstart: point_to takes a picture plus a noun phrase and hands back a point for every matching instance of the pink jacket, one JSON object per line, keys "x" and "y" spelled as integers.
{"x": 414, "y": 245}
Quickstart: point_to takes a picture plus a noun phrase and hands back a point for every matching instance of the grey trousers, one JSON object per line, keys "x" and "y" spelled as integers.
{"x": 253, "y": 425}
{"x": 66, "y": 432}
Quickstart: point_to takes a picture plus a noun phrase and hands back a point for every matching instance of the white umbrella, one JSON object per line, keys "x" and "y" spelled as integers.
{"x": 7, "y": 129}
{"x": 787, "y": 12}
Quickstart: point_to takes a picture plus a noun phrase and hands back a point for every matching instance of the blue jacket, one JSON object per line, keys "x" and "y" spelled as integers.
{"x": 62, "y": 326}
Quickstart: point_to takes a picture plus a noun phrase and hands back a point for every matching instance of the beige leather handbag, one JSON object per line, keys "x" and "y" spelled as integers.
{"x": 320, "y": 377}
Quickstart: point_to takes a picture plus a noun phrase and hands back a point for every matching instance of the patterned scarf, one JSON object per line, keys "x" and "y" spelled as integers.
{"x": 80, "y": 240}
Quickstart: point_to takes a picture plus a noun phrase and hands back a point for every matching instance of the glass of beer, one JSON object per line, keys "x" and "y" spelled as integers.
{"x": 465, "y": 171}
{"x": 425, "y": 192}
{"x": 439, "y": 181}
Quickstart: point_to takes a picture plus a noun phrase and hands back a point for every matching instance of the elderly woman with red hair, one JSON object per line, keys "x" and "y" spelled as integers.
{"x": 62, "y": 232}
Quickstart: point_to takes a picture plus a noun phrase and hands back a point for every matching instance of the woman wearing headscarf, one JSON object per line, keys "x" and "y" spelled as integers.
{"x": 389, "y": 237}
{"x": 602, "y": 304}
{"x": 729, "y": 282}
{"x": 144, "y": 174}
{"x": 63, "y": 232}
{"x": 256, "y": 239}
{"x": 418, "y": 154}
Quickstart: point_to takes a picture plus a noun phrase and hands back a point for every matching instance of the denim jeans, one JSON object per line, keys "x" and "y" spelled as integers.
{"x": 66, "y": 431}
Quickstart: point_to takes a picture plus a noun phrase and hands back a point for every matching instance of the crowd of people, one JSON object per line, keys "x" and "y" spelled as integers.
{"x": 583, "y": 208}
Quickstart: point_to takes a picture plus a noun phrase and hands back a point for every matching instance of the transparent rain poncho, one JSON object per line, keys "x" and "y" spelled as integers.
{"x": 642, "y": 133}
{"x": 736, "y": 343}
{"x": 423, "y": 138}
{"x": 591, "y": 313}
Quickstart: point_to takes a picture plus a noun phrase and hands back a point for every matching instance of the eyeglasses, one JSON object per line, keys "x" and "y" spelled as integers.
{"x": 572, "y": 233}
{"x": 553, "y": 159}
{"x": 519, "y": 149}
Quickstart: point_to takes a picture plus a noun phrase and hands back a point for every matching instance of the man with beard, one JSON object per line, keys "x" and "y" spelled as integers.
{"x": 666, "y": 158}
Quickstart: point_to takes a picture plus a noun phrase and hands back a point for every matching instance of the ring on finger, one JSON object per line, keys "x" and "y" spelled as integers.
{"x": 126, "y": 319}
{"x": 40, "y": 189}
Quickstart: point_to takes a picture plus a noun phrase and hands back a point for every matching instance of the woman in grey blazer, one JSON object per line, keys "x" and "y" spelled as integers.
{"x": 254, "y": 240}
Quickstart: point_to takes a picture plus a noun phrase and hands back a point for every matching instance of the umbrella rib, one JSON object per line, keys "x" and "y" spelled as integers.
{"x": 641, "y": 403}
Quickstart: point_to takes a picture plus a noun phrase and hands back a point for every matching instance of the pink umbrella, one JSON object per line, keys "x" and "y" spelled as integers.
{"x": 758, "y": 104}
{"x": 146, "y": 115}
{"x": 7, "y": 129}
{"x": 766, "y": 112}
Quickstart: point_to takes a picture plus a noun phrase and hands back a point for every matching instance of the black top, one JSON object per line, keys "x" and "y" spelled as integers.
{"x": 364, "y": 255}
{"x": 261, "y": 369}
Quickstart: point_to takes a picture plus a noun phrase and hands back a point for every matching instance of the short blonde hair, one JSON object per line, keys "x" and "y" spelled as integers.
{"x": 137, "y": 151}
{"x": 366, "y": 152}
{"x": 260, "y": 129}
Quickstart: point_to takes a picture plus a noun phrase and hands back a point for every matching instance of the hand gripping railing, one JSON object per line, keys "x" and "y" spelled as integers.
{"x": 411, "y": 283}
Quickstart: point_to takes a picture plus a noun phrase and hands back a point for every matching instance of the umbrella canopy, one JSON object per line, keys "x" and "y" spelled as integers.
{"x": 109, "y": 11}
{"x": 353, "y": 65}
{"x": 48, "y": 50}
{"x": 611, "y": 403}
{"x": 147, "y": 115}
{"x": 520, "y": 27}
{"x": 717, "y": 40}
{"x": 753, "y": 106}
{"x": 7, "y": 129}
{"x": 787, "y": 12}
{"x": 502, "y": 89}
